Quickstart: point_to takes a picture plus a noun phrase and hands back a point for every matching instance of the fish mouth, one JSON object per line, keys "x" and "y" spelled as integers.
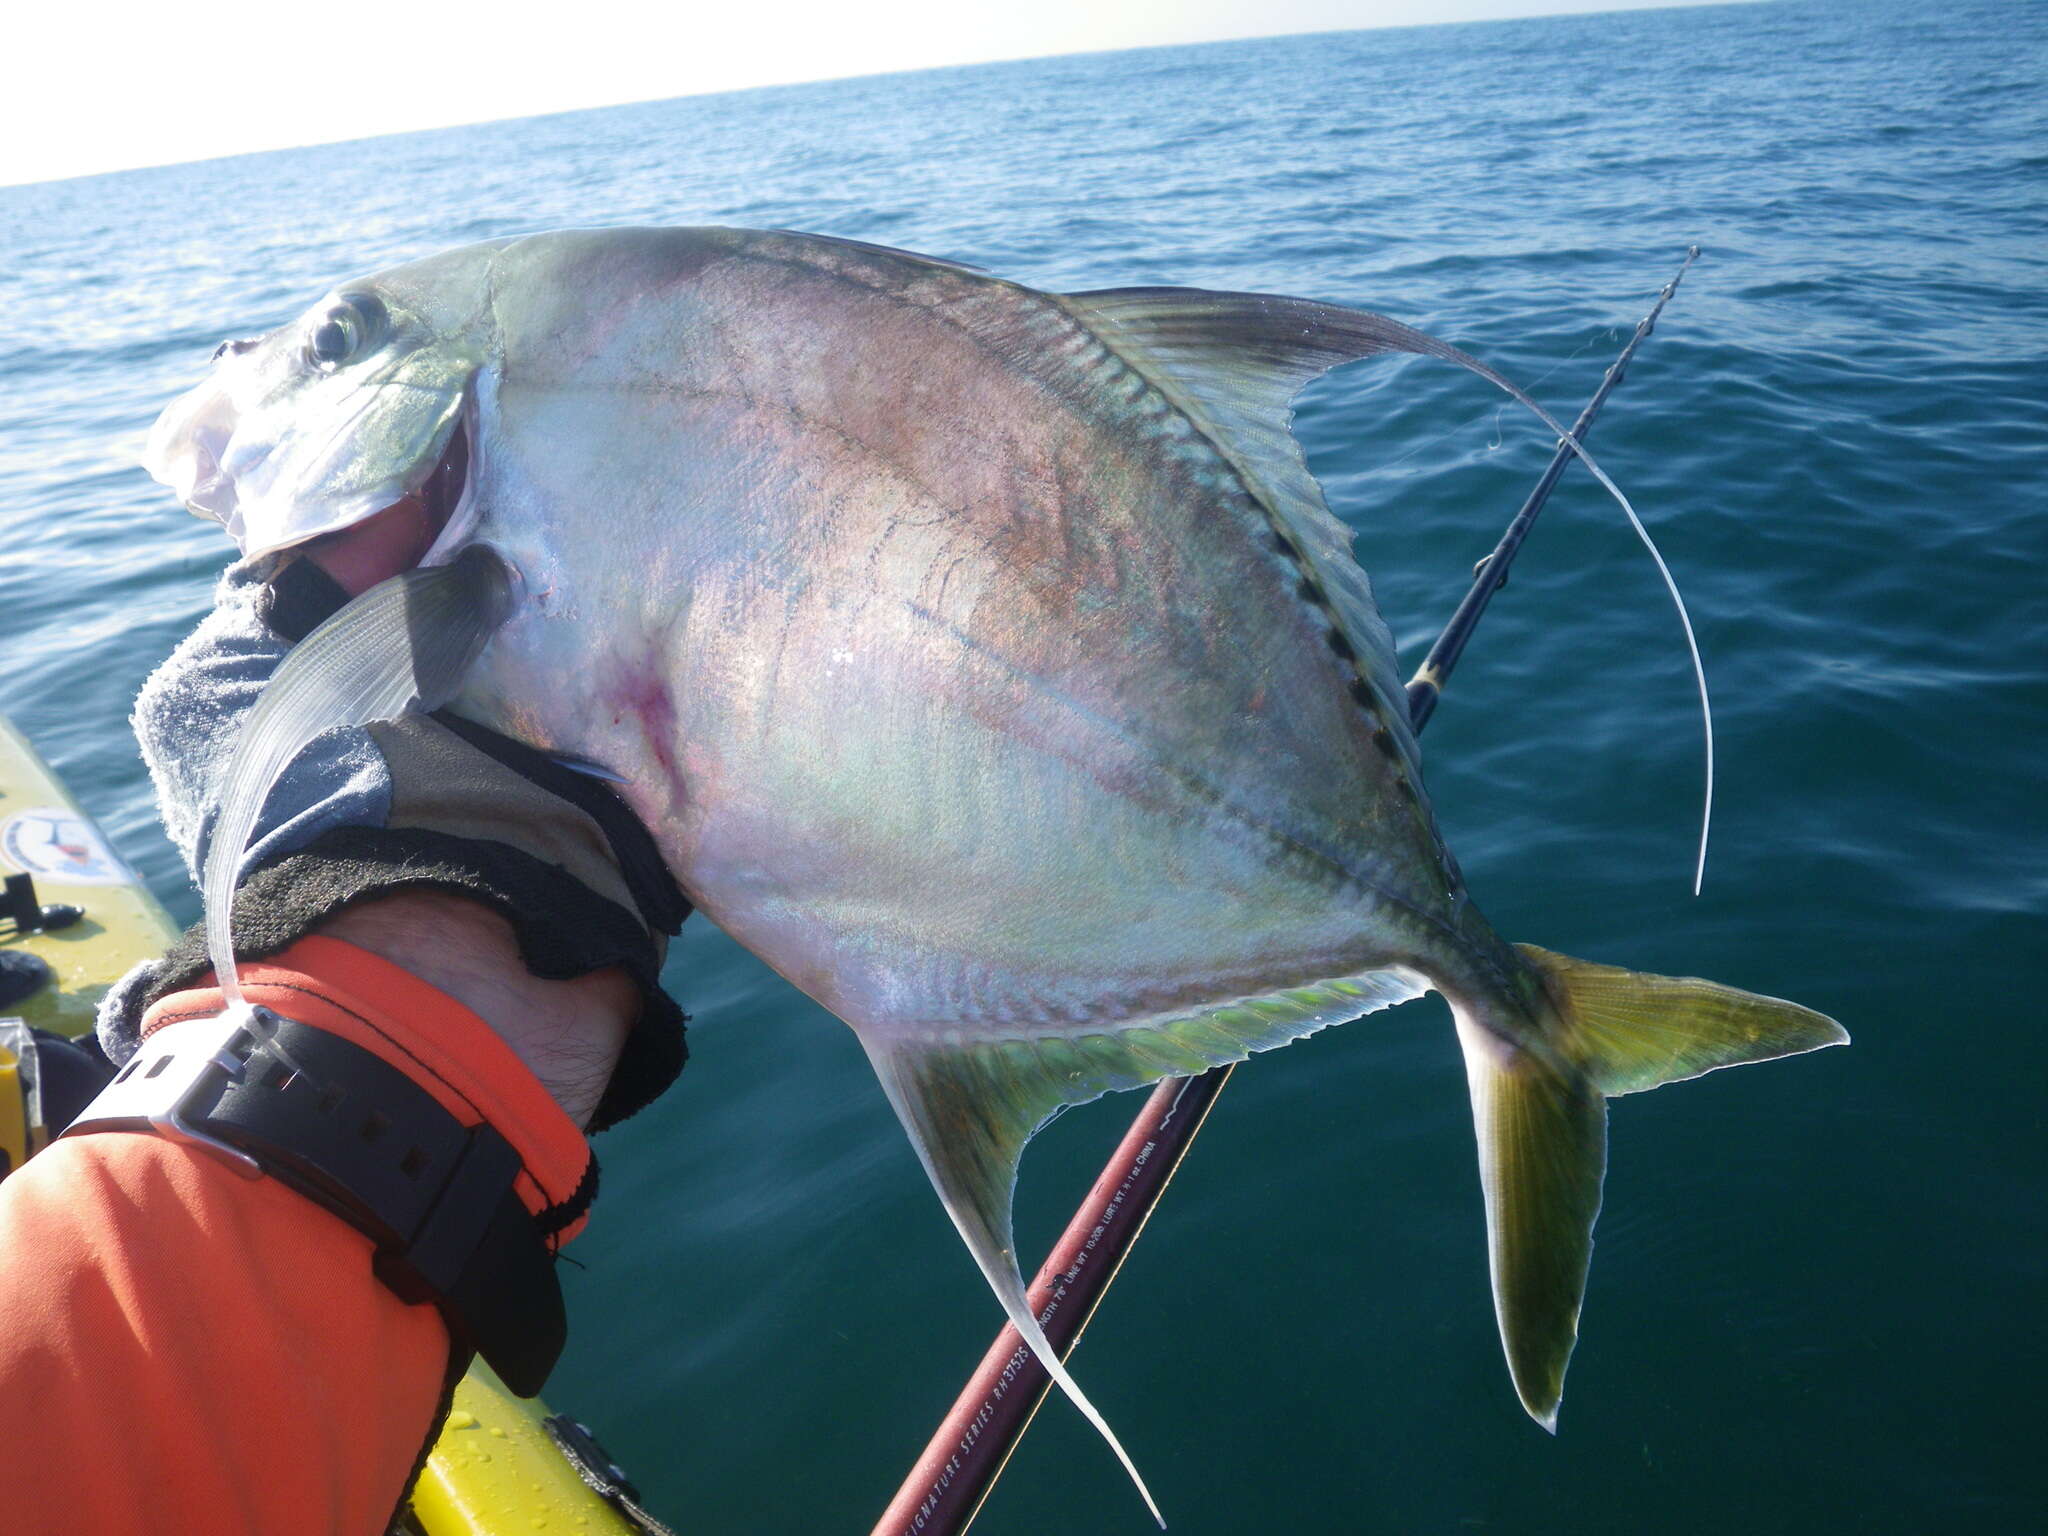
{"x": 276, "y": 469}
{"x": 447, "y": 498}
{"x": 444, "y": 504}
{"x": 428, "y": 525}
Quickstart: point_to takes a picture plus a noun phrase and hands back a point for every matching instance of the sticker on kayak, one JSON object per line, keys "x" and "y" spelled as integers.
{"x": 56, "y": 844}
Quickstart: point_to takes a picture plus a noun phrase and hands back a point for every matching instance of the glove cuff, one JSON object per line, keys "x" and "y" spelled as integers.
{"x": 563, "y": 930}
{"x": 391, "y": 1104}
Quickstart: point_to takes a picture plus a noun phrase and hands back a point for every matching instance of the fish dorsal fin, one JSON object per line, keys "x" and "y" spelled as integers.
{"x": 406, "y": 642}
{"x": 894, "y": 252}
{"x": 1233, "y": 362}
{"x": 970, "y": 1104}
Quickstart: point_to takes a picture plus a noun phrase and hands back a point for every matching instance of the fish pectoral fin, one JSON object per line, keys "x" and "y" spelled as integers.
{"x": 1540, "y": 1113}
{"x": 971, "y": 1106}
{"x": 406, "y": 642}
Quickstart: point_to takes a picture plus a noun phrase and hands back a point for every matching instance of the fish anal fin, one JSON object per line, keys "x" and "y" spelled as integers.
{"x": 969, "y": 1125}
{"x": 971, "y": 1103}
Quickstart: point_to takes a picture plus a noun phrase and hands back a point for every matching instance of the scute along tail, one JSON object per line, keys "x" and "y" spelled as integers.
{"x": 1539, "y": 1111}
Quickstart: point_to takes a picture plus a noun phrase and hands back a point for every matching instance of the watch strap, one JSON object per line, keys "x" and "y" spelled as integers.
{"x": 334, "y": 1121}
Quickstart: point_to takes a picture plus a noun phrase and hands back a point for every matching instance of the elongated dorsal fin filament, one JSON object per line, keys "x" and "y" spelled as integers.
{"x": 1235, "y": 361}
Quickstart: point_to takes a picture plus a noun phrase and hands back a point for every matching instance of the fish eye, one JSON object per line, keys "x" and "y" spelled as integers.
{"x": 343, "y": 330}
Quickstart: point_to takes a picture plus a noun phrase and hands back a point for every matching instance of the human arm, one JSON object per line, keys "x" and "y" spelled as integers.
{"x": 223, "y": 1346}
{"x": 183, "y": 1348}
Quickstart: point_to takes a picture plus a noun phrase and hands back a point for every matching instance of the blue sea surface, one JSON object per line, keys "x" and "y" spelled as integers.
{"x": 1816, "y": 1300}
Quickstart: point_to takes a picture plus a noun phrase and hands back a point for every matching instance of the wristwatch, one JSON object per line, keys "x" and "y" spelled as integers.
{"x": 275, "y": 1098}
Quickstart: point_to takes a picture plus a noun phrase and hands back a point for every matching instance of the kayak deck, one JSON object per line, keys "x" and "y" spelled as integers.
{"x": 46, "y": 835}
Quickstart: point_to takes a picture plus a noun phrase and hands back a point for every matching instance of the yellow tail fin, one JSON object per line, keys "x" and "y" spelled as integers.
{"x": 1540, "y": 1114}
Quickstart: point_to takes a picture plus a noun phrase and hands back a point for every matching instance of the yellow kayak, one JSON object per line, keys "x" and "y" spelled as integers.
{"x": 498, "y": 1465}
{"x": 46, "y": 837}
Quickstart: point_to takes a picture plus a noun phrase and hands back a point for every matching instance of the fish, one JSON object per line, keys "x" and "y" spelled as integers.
{"x": 984, "y": 659}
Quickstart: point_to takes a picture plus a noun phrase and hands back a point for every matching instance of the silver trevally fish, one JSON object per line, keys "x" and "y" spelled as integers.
{"x": 985, "y": 660}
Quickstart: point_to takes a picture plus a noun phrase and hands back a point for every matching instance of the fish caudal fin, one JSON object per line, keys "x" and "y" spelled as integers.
{"x": 1542, "y": 1154}
{"x": 1541, "y": 1119}
{"x": 1631, "y": 1030}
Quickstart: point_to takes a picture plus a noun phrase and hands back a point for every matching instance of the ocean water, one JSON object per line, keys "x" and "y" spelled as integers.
{"x": 1815, "y": 1300}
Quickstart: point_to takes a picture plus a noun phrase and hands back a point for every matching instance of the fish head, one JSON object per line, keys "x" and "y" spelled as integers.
{"x": 345, "y": 411}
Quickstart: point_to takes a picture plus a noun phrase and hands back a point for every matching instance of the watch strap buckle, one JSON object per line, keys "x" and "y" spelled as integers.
{"x": 168, "y": 1083}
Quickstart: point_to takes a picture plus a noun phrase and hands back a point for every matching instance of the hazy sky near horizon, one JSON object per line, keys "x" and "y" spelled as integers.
{"x": 146, "y": 82}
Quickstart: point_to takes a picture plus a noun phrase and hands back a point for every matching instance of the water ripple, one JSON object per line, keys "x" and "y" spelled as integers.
{"x": 1837, "y": 433}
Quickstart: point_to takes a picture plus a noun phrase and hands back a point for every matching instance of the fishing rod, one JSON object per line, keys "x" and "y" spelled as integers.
{"x": 973, "y": 1443}
{"x": 1491, "y": 574}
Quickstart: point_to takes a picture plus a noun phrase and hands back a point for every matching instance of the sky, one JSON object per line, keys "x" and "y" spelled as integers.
{"x": 125, "y": 83}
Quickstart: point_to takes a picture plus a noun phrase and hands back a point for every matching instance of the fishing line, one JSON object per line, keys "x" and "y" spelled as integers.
{"x": 1417, "y": 341}
{"x": 1465, "y": 423}
{"x": 1500, "y": 411}
{"x": 1692, "y": 645}
{"x": 1397, "y": 336}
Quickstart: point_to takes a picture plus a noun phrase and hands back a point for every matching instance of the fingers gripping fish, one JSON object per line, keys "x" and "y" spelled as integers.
{"x": 985, "y": 660}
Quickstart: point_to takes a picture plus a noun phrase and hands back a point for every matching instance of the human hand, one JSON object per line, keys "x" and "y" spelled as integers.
{"x": 519, "y": 886}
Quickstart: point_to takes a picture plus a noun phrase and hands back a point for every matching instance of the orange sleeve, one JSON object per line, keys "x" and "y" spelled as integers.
{"x": 186, "y": 1349}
